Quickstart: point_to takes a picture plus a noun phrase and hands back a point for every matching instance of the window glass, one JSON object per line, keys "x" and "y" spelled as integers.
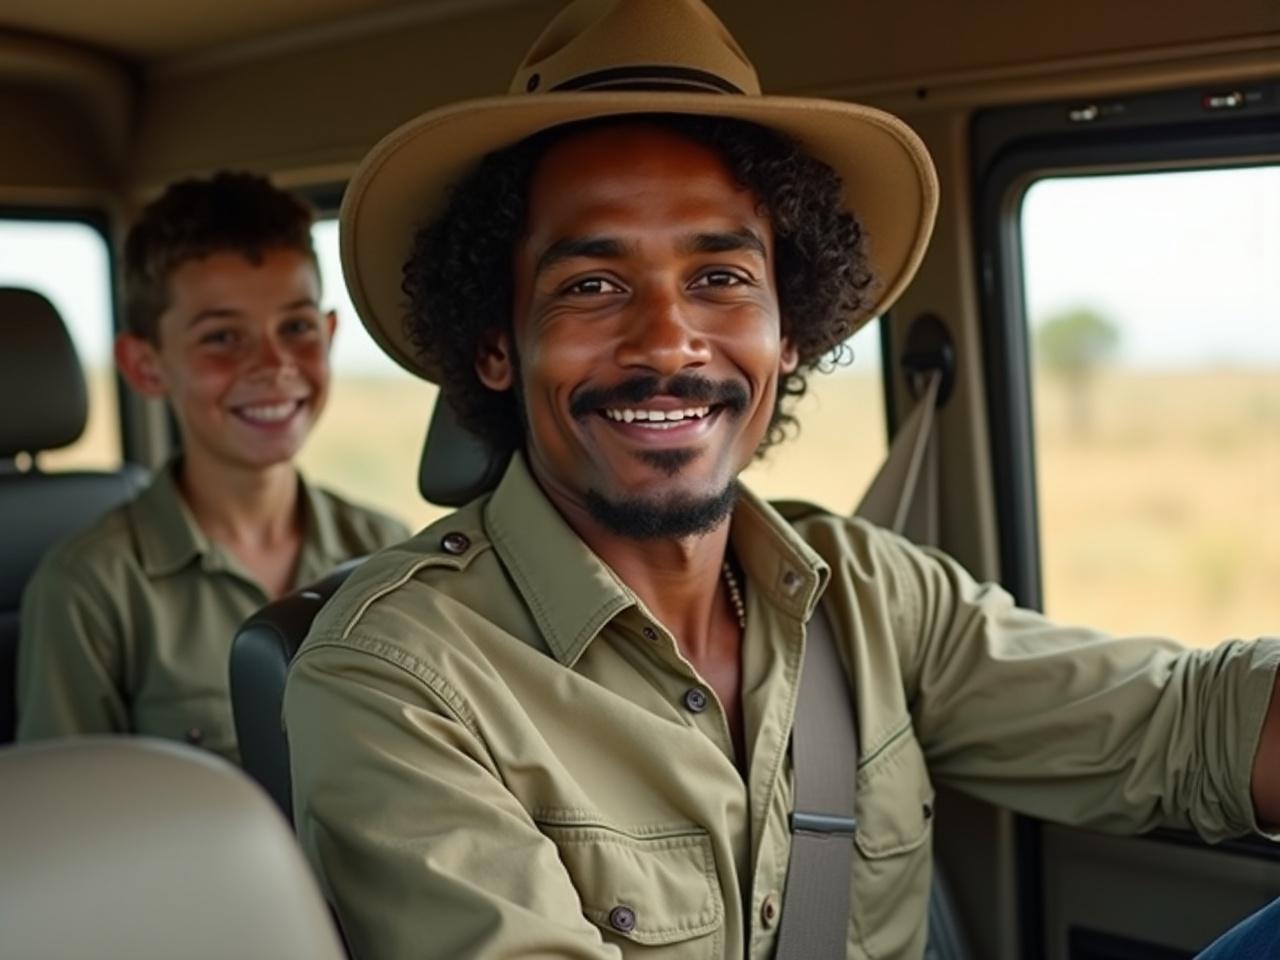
{"x": 1153, "y": 302}
{"x": 368, "y": 441}
{"x": 841, "y": 441}
{"x": 68, "y": 262}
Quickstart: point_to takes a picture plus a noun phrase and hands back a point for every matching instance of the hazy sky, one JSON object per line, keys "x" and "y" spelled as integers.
{"x": 1188, "y": 264}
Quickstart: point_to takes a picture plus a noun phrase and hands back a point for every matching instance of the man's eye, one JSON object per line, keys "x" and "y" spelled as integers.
{"x": 593, "y": 286}
{"x": 720, "y": 278}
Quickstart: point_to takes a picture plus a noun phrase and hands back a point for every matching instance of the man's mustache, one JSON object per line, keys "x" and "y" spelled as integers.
{"x": 683, "y": 386}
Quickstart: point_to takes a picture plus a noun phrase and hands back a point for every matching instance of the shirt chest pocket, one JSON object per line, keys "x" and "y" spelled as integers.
{"x": 653, "y": 896}
{"x": 893, "y": 864}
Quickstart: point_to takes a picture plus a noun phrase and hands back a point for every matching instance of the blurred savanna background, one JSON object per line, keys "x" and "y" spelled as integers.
{"x": 1153, "y": 316}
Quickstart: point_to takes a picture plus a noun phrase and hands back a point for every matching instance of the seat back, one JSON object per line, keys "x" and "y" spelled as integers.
{"x": 115, "y": 847}
{"x": 260, "y": 655}
{"x": 42, "y": 391}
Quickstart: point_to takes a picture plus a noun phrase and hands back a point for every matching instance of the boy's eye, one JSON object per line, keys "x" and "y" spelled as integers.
{"x": 219, "y": 338}
{"x": 301, "y": 325}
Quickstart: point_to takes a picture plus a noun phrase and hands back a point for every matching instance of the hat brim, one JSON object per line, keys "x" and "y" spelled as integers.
{"x": 889, "y": 183}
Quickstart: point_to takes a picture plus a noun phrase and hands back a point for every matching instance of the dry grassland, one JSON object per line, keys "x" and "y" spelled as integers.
{"x": 1163, "y": 517}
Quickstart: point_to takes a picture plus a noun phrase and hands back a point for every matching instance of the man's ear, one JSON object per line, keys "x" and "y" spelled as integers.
{"x": 139, "y": 363}
{"x": 790, "y": 356}
{"x": 494, "y": 363}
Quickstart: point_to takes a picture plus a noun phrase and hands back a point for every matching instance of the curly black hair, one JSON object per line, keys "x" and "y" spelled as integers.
{"x": 459, "y": 281}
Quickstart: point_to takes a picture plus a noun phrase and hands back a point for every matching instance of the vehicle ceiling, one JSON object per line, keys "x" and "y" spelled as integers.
{"x": 156, "y": 30}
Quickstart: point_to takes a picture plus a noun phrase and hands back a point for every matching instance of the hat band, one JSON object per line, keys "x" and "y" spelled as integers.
{"x": 652, "y": 77}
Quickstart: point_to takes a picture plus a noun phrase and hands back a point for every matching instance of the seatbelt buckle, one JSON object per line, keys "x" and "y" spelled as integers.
{"x": 823, "y": 823}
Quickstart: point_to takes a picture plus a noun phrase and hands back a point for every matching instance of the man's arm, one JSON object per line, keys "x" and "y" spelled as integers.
{"x": 1073, "y": 725}
{"x": 69, "y": 658}
{"x": 418, "y": 843}
{"x": 1265, "y": 783}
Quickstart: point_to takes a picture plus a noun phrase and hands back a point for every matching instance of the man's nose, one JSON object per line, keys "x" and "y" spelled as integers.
{"x": 662, "y": 336}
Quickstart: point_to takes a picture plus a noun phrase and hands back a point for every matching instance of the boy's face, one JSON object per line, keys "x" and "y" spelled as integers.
{"x": 243, "y": 356}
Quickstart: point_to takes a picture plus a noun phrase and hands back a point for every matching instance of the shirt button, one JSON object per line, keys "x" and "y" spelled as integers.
{"x": 695, "y": 699}
{"x": 622, "y": 919}
{"x": 791, "y": 582}
{"x": 650, "y": 633}
{"x": 195, "y": 736}
{"x": 455, "y": 543}
{"x": 769, "y": 911}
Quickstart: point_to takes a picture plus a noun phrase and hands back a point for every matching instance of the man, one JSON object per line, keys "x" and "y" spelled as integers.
{"x": 557, "y": 722}
{"x": 127, "y": 627}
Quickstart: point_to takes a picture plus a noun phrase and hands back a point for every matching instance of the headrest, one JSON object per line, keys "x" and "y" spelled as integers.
{"x": 127, "y": 847}
{"x": 43, "y": 402}
{"x": 457, "y": 466}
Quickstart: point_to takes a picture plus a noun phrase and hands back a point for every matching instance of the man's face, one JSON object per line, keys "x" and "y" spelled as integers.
{"x": 243, "y": 355}
{"x": 647, "y": 333}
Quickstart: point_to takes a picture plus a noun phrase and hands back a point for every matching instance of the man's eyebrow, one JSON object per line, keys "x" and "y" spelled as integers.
{"x": 726, "y": 242}
{"x": 572, "y": 247}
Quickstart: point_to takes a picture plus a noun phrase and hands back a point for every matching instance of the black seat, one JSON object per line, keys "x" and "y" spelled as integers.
{"x": 45, "y": 406}
{"x": 260, "y": 655}
{"x": 455, "y": 468}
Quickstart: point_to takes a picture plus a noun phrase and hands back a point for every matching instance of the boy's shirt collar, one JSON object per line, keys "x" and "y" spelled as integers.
{"x": 169, "y": 538}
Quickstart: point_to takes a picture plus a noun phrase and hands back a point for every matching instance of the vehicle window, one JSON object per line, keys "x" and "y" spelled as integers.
{"x": 1153, "y": 301}
{"x": 68, "y": 262}
{"x": 369, "y": 439}
{"x": 842, "y": 438}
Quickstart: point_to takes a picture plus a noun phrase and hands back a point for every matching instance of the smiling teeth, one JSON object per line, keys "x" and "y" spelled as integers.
{"x": 628, "y": 415}
{"x": 270, "y": 413}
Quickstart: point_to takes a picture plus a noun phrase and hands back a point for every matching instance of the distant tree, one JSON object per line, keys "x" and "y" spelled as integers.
{"x": 1072, "y": 345}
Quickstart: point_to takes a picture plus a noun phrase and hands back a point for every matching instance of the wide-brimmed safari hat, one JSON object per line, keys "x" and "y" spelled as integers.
{"x": 613, "y": 57}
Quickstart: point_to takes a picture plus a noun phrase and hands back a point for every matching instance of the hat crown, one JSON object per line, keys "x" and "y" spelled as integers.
{"x": 635, "y": 45}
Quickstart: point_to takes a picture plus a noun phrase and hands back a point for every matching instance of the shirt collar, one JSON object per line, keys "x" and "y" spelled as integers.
{"x": 167, "y": 534}
{"x": 169, "y": 537}
{"x": 572, "y": 593}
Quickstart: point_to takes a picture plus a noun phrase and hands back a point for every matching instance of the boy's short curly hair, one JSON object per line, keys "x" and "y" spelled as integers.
{"x": 238, "y": 212}
{"x": 459, "y": 282}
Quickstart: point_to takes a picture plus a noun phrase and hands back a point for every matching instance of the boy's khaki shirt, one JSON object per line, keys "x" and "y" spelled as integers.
{"x": 496, "y": 752}
{"x": 127, "y": 626}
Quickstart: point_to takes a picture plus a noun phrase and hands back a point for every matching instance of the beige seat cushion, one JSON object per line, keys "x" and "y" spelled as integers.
{"x": 132, "y": 848}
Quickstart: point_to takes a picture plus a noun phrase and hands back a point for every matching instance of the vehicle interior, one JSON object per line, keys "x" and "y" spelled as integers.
{"x": 1098, "y": 305}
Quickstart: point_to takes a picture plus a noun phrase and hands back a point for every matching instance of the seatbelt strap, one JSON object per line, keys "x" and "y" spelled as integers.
{"x": 824, "y": 739}
{"x": 902, "y": 496}
{"x": 824, "y": 759}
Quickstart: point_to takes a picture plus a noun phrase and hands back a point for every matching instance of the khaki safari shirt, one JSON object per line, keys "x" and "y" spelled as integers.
{"x": 496, "y": 746}
{"x": 127, "y": 626}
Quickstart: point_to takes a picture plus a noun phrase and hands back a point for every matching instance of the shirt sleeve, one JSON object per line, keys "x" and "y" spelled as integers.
{"x": 416, "y": 840}
{"x": 70, "y": 657}
{"x": 1073, "y": 725}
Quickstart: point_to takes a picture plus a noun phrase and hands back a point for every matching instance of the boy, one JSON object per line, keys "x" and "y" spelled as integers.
{"x": 127, "y": 627}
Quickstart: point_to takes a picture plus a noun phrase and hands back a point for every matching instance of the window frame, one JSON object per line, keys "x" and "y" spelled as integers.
{"x": 1012, "y": 148}
{"x": 100, "y": 221}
